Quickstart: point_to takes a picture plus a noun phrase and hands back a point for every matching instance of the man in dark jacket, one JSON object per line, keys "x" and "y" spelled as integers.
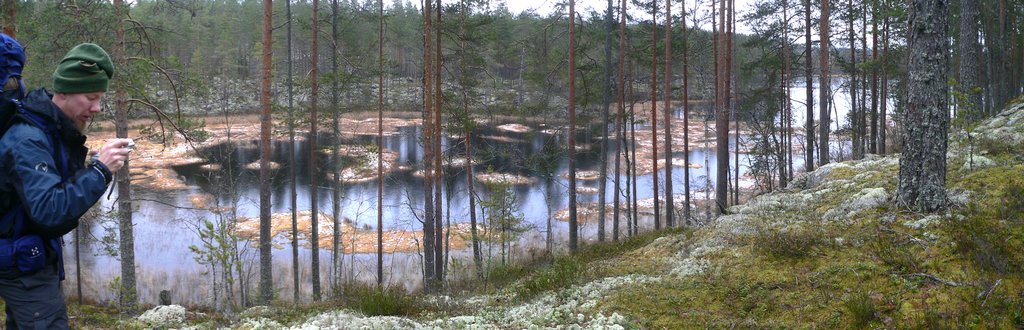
{"x": 45, "y": 177}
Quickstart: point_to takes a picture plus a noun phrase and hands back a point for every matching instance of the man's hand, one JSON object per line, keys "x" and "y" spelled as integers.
{"x": 114, "y": 153}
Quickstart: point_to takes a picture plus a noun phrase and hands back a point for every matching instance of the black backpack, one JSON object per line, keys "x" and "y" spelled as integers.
{"x": 12, "y": 61}
{"x": 23, "y": 252}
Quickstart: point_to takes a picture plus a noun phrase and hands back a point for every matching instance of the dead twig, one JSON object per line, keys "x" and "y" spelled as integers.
{"x": 984, "y": 294}
{"x": 905, "y": 236}
{"x": 937, "y": 279}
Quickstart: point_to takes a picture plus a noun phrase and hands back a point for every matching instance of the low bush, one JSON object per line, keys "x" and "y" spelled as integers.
{"x": 793, "y": 241}
{"x": 376, "y": 301}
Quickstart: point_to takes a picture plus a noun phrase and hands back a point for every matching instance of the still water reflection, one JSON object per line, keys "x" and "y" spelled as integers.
{"x": 166, "y": 222}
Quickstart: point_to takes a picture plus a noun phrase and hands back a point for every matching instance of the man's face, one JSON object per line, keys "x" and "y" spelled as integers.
{"x": 80, "y": 107}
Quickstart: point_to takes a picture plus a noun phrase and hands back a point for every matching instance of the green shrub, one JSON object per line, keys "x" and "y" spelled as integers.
{"x": 861, "y": 309}
{"x": 793, "y": 241}
{"x": 503, "y": 274}
{"x": 1011, "y": 205}
{"x": 989, "y": 242}
{"x": 565, "y": 271}
{"x": 894, "y": 251}
{"x": 374, "y": 301}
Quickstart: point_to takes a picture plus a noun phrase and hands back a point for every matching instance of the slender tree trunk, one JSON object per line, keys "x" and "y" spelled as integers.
{"x": 620, "y": 93}
{"x": 730, "y": 31}
{"x": 854, "y": 110}
{"x": 922, "y": 180}
{"x": 864, "y": 110}
{"x": 292, "y": 162}
{"x": 78, "y": 263}
{"x": 336, "y": 184}
{"x": 787, "y": 121}
{"x": 883, "y": 124}
{"x": 477, "y": 257}
{"x": 808, "y": 74}
{"x": 438, "y": 169}
{"x": 632, "y": 126}
{"x": 669, "y": 202}
{"x": 825, "y": 84}
{"x": 654, "y": 113}
{"x": 686, "y": 118}
{"x": 314, "y": 170}
{"x": 787, "y": 72}
{"x": 380, "y": 143}
{"x": 573, "y": 224}
{"x": 1002, "y": 93}
{"x": 873, "y": 139}
{"x": 722, "y": 116}
{"x": 635, "y": 227}
{"x": 607, "y": 99}
{"x": 428, "y": 154}
{"x": 266, "y": 271}
{"x": 129, "y": 298}
{"x": 969, "y": 50}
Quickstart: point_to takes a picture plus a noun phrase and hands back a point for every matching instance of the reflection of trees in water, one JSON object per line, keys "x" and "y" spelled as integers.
{"x": 228, "y": 262}
{"x": 502, "y": 223}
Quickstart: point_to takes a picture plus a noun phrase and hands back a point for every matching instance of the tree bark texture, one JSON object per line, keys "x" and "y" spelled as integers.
{"x": 654, "y": 112}
{"x": 969, "y": 50}
{"x": 809, "y": 75}
{"x": 922, "y": 178}
{"x": 428, "y": 137}
{"x": 669, "y": 206}
{"x": 721, "y": 118}
{"x": 336, "y": 249}
{"x": 129, "y": 298}
{"x": 825, "y": 86}
{"x": 606, "y": 102}
{"x": 438, "y": 172}
{"x": 266, "y": 271}
{"x": 686, "y": 118}
{"x": 620, "y": 92}
{"x": 873, "y": 139}
{"x": 883, "y": 124}
{"x": 314, "y": 170}
{"x": 730, "y": 32}
{"x": 380, "y": 144}
{"x": 855, "y": 143}
{"x": 293, "y": 173}
{"x": 573, "y": 224}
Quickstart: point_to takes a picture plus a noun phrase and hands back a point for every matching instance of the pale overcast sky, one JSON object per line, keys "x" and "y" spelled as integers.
{"x": 544, "y": 7}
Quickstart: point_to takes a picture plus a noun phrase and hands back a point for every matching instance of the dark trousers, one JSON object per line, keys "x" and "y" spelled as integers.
{"x": 34, "y": 301}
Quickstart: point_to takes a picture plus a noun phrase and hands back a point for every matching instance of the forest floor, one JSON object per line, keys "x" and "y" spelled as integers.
{"x": 834, "y": 250}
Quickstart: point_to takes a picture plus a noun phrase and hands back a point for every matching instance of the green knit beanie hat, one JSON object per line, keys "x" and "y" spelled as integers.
{"x": 85, "y": 69}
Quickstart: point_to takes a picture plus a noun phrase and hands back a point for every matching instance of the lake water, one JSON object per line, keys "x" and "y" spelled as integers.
{"x": 166, "y": 222}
